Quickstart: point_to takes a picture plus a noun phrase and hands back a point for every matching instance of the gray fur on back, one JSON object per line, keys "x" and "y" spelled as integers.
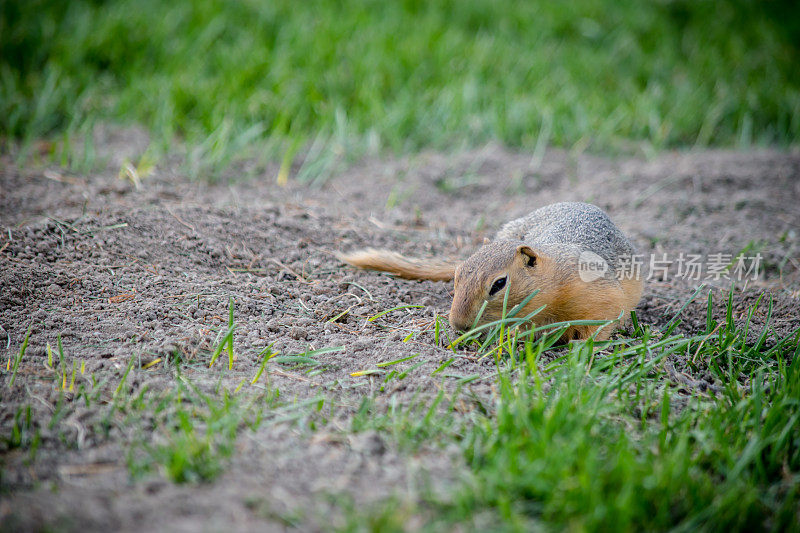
{"x": 577, "y": 225}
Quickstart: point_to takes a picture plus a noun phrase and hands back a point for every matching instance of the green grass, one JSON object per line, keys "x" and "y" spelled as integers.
{"x": 588, "y": 436}
{"x": 338, "y": 78}
{"x": 195, "y": 434}
{"x": 597, "y": 439}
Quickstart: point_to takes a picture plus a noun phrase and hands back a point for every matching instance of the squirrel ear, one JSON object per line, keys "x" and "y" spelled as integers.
{"x": 528, "y": 253}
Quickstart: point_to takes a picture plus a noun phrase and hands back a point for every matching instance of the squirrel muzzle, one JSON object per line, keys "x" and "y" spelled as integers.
{"x": 485, "y": 277}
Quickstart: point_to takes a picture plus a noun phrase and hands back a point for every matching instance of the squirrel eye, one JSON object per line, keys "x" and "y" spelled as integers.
{"x": 497, "y": 286}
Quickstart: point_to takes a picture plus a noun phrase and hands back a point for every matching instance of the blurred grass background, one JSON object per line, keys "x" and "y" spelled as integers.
{"x": 404, "y": 75}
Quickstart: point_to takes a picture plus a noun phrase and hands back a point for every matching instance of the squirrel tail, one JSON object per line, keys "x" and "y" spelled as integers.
{"x": 400, "y": 266}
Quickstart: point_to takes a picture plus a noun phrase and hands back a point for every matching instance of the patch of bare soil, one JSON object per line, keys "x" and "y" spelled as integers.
{"x": 120, "y": 271}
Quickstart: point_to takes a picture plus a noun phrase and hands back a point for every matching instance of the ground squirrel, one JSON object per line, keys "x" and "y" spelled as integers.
{"x": 571, "y": 252}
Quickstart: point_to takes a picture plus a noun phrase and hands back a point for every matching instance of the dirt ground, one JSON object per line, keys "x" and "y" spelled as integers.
{"x": 121, "y": 271}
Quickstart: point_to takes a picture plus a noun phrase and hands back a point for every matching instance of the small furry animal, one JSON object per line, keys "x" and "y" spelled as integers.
{"x": 578, "y": 260}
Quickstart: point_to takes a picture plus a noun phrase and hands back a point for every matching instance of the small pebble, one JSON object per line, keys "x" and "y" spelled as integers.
{"x": 54, "y": 288}
{"x": 298, "y": 333}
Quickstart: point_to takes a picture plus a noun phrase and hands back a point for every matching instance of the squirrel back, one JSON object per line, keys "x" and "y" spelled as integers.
{"x": 569, "y": 228}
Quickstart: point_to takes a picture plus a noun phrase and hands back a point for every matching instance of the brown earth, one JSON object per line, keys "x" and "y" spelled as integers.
{"x": 121, "y": 271}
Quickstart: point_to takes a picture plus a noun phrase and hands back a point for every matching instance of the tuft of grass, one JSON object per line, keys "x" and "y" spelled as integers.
{"x": 24, "y": 433}
{"x": 573, "y": 452}
{"x": 195, "y": 434}
{"x": 227, "y": 339}
{"x": 341, "y": 78}
{"x": 19, "y": 357}
{"x": 599, "y": 434}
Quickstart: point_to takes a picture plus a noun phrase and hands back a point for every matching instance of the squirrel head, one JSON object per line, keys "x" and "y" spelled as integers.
{"x": 495, "y": 268}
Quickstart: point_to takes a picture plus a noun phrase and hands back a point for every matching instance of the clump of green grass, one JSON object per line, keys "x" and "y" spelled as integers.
{"x": 24, "y": 433}
{"x": 573, "y": 454}
{"x": 227, "y": 339}
{"x": 194, "y": 435}
{"x": 19, "y": 357}
{"x": 601, "y": 435}
{"x": 343, "y": 77}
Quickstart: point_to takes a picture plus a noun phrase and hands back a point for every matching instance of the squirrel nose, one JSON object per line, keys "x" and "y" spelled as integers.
{"x": 459, "y": 324}
{"x": 460, "y": 312}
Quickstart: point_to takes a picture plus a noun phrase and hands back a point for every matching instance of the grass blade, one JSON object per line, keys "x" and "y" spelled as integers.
{"x": 19, "y": 356}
